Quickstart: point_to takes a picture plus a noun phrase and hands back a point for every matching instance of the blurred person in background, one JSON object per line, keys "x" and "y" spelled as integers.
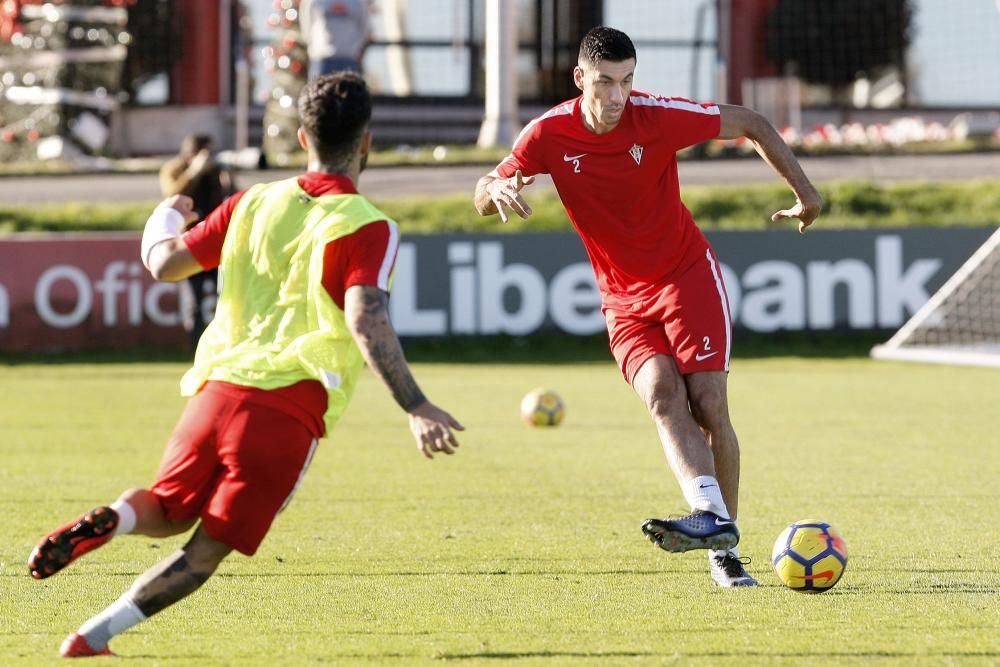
{"x": 194, "y": 173}
{"x": 336, "y": 33}
{"x": 611, "y": 153}
{"x": 307, "y": 264}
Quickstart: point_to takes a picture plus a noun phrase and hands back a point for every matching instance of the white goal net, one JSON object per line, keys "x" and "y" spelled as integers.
{"x": 960, "y": 324}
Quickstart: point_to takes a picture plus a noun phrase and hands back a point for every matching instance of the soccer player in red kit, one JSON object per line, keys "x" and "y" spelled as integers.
{"x": 611, "y": 154}
{"x": 305, "y": 265}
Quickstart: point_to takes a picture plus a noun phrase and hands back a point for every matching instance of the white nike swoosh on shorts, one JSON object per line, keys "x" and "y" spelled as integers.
{"x": 570, "y": 158}
{"x": 703, "y": 357}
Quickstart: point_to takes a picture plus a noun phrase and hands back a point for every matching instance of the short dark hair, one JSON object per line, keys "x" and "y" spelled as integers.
{"x": 194, "y": 143}
{"x": 603, "y": 43}
{"x": 334, "y": 110}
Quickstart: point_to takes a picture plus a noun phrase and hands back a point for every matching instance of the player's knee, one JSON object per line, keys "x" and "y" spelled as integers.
{"x": 204, "y": 553}
{"x": 150, "y": 516}
{"x": 665, "y": 402}
{"x": 710, "y": 409}
{"x": 178, "y": 526}
{"x": 138, "y": 498}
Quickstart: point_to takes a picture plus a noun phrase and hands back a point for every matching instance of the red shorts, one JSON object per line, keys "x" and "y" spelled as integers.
{"x": 686, "y": 318}
{"x": 234, "y": 463}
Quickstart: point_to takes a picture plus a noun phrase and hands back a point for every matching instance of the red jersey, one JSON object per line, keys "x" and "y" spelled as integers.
{"x": 620, "y": 189}
{"x": 366, "y": 257}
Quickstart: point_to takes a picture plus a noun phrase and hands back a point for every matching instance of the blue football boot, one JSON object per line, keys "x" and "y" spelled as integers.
{"x": 700, "y": 529}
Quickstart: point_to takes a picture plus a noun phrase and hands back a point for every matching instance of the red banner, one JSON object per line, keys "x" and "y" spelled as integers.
{"x": 79, "y": 291}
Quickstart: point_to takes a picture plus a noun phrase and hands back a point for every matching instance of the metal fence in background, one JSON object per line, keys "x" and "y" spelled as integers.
{"x": 425, "y": 63}
{"x": 949, "y": 59}
{"x": 426, "y": 60}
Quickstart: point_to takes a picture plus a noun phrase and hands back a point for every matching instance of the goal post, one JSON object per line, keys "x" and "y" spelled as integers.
{"x": 960, "y": 323}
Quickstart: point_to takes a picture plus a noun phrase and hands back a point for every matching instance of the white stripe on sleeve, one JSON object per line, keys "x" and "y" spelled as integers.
{"x": 674, "y": 103}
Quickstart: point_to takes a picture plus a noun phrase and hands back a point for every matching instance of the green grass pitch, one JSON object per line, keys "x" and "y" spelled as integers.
{"x": 524, "y": 548}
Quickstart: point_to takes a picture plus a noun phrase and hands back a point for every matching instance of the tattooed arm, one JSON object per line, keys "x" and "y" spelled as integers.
{"x": 368, "y": 319}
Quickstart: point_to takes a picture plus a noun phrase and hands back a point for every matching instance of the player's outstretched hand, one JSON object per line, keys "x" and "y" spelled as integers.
{"x": 806, "y": 212}
{"x": 432, "y": 429}
{"x": 506, "y": 193}
{"x": 183, "y": 205}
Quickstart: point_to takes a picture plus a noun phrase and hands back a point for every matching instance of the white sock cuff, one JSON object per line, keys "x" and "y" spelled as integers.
{"x": 125, "y": 613}
{"x": 120, "y": 615}
{"x": 126, "y": 517}
{"x": 703, "y": 493}
{"x": 702, "y": 482}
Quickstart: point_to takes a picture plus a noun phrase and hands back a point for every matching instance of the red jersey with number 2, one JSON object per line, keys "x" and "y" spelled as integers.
{"x": 620, "y": 188}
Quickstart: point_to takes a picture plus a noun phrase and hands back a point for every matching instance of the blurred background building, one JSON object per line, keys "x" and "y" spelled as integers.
{"x": 132, "y": 77}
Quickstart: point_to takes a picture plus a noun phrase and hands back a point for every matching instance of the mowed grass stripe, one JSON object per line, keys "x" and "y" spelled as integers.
{"x": 524, "y": 548}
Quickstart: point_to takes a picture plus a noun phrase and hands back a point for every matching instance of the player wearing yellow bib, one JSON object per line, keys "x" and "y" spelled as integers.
{"x": 305, "y": 267}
